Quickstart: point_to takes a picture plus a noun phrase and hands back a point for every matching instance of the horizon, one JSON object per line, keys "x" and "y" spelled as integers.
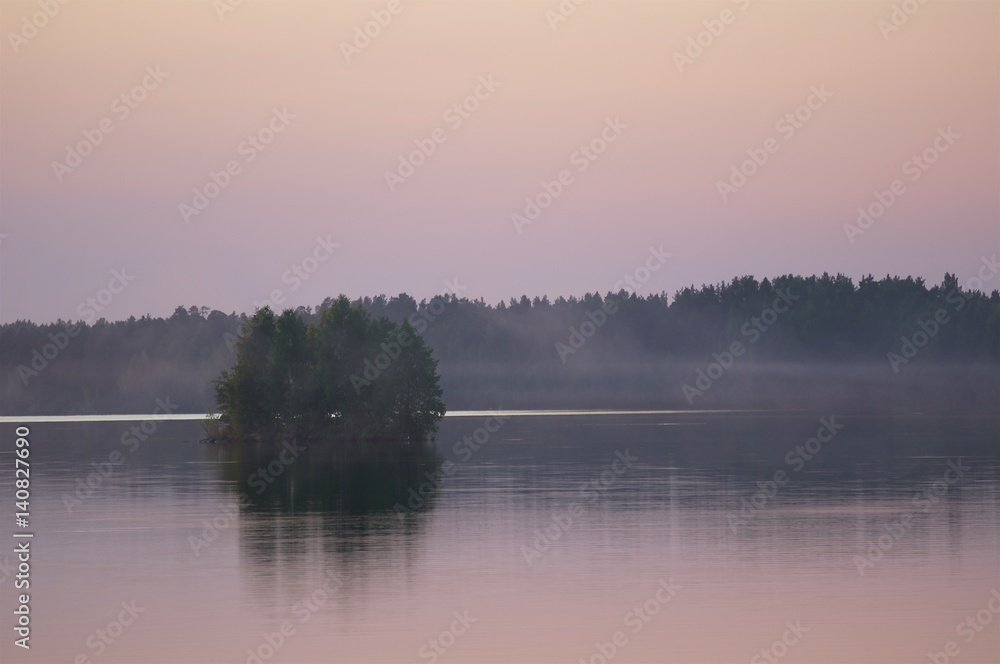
{"x": 670, "y": 296}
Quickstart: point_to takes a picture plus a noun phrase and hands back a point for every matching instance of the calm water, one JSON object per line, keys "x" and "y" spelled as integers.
{"x": 314, "y": 543}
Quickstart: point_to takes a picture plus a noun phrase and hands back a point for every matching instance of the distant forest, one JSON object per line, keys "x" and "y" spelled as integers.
{"x": 803, "y": 341}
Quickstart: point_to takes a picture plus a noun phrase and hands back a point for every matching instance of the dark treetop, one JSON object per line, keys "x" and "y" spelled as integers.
{"x": 345, "y": 375}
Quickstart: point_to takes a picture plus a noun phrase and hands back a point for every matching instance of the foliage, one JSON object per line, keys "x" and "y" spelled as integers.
{"x": 294, "y": 379}
{"x": 490, "y": 354}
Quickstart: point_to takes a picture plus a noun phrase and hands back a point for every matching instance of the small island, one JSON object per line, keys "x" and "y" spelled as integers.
{"x": 346, "y": 376}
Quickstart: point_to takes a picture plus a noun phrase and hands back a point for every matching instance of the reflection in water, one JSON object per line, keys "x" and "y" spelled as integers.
{"x": 347, "y": 478}
{"x": 325, "y": 506}
{"x": 679, "y": 512}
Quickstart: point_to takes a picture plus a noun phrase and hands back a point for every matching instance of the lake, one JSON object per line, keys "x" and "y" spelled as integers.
{"x": 645, "y": 537}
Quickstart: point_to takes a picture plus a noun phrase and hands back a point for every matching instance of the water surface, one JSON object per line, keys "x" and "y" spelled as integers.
{"x": 545, "y": 536}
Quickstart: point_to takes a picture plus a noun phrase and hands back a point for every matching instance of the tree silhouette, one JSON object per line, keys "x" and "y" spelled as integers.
{"x": 347, "y": 375}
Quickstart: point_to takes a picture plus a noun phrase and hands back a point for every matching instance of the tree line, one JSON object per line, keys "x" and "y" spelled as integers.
{"x": 615, "y": 348}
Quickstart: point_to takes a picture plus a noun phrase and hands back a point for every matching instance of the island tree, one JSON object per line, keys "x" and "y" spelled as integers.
{"x": 345, "y": 375}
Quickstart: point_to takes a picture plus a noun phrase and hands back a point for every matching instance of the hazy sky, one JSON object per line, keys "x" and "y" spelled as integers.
{"x": 670, "y": 120}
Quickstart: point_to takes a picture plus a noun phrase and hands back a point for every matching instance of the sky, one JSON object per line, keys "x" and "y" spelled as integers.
{"x": 229, "y": 154}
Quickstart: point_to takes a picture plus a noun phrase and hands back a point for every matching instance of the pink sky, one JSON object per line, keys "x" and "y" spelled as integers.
{"x": 656, "y": 184}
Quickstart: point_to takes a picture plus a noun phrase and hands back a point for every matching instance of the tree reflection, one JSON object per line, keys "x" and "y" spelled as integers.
{"x": 354, "y": 478}
{"x": 325, "y": 508}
